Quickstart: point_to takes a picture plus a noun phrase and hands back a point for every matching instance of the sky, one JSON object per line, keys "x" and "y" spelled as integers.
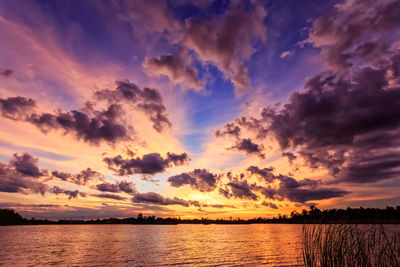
{"x": 200, "y": 108}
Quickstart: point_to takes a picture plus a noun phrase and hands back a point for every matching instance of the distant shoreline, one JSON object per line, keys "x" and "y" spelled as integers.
{"x": 336, "y": 223}
{"x": 361, "y": 215}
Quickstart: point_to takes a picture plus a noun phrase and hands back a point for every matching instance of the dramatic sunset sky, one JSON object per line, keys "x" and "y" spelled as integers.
{"x": 198, "y": 108}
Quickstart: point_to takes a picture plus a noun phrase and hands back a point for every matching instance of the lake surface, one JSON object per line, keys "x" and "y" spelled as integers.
{"x": 151, "y": 245}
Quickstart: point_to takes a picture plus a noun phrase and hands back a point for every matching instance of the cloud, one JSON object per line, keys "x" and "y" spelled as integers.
{"x": 102, "y": 126}
{"x": 346, "y": 121}
{"x": 110, "y": 196}
{"x": 291, "y": 189}
{"x": 291, "y": 157}
{"x": 174, "y": 67}
{"x": 269, "y": 204}
{"x": 346, "y": 31}
{"x": 287, "y": 188}
{"x": 70, "y": 193}
{"x": 249, "y": 147}
{"x": 146, "y": 17}
{"x": 12, "y": 181}
{"x": 230, "y": 129}
{"x": 286, "y": 54}
{"x": 217, "y": 206}
{"x": 199, "y": 179}
{"x": 22, "y": 175}
{"x": 149, "y": 164}
{"x": 26, "y": 164}
{"x": 81, "y": 178}
{"x": 10, "y": 204}
{"x": 157, "y": 199}
{"x": 91, "y": 125}
{"x": 85, "y": 176}
{"x": 16, "y": 108}
{"x": 354, "y": 121}
{"x": 265, "y": 173}
{"x": 117, "y": 187}
{"x": 6, "y": 73}
{"x": 305, "y": 190}
{"x": 240, "y": 189}
{"x": 125, "y": 91}
{"x": 62, "y": 175}
{"x": 99, "y": 126}
{"x": 235, "y": 129}
{"x": 157, "y": 114}
{"x": 226, "y": 40}
{"x": 147, "y": 100}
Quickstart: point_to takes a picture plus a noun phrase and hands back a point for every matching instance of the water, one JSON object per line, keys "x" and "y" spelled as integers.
{"x": 151, "y": 245}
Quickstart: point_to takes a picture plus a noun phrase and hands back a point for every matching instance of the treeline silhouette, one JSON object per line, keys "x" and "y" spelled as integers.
{"x": 361, "y": 215}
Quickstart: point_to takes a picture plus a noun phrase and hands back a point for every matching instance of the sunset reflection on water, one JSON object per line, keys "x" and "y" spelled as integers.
{"x": 151, "y": 245}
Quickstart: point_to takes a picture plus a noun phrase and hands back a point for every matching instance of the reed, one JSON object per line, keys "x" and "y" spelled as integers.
{"x": 350, "y": 245}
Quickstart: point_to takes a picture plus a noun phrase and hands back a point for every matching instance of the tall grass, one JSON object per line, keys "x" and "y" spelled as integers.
{"x": 350, "y": 245}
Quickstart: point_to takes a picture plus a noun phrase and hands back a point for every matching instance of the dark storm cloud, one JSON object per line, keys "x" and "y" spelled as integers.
{"x": 291, "y": 157}
{"x": 157, "y": 199}
{"x": 151, "y": 94}
{"x": 347, "y": 122}
{"x": 194, "y": 203}
{"x": 81, "y": 178}
{"x": 128, "y": 91}
{"x": 286, "y": 188}
{"x": 182, "y": 179}
{"x": 149, "y": 164}
{"x": 349, "y": 125}
{"x": 93, "y": 128}
{"x": 265, "y": 173}
{"x": 157, "y": 114}
{"x": 16, "y": 108}
{"x": 269, "y": 204}
{"x": 125, "y": 90}
{"x": 229, "y": 129}
{"x": 175, "y": 68}
{"x": 12, "y": 181}
{"x": 70, "y": 193}
{"x": 117, "y": 187}
{"x": 305, "y": 190}
{"x": 199, "y": 179}
{"x": 85, "y": 176}
{"x": 148, "y": 100}
{"x": 235, "y": 129}
{"x": 22, "y": 175}
{"x": 62, "y": 175}
{"x": 26, "y": 164}
{"x": 227, "y": 40}
{"x": 291, "y": 189}
{"x": 356, "y": 28}
{"x": 101, "y": 126}
{"x": 6, "y": 73}
{"x": 241, "y": 189}
{"x": 91, "y": 125}
{"x": 109, "y": 196}
{"x": 249, "y": 147}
